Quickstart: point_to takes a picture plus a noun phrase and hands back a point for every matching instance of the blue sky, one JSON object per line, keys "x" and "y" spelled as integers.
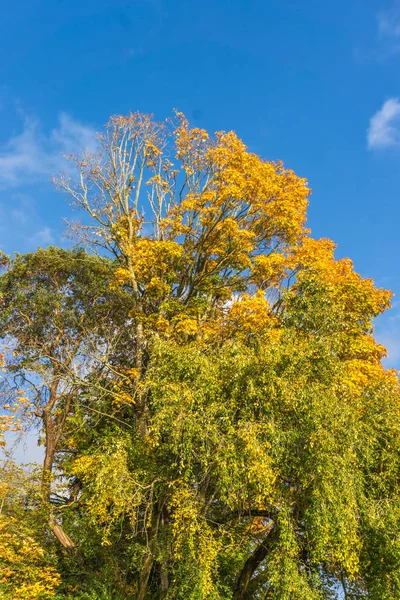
{"x": 314, "y": 83}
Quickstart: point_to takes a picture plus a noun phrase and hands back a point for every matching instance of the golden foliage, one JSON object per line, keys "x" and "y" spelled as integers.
{"x": 24, "y": 573}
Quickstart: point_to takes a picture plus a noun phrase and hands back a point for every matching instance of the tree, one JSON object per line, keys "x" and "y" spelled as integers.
{"x": 57, "y": 307}
{"x": 242, "y": 438}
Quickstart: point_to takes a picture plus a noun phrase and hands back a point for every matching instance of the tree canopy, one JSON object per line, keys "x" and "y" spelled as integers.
{"x": 216, "y": 418}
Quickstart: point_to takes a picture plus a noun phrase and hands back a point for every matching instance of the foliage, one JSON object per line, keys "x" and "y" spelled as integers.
{"x": 214, "y": 405}
{"x": 27, "y": 568}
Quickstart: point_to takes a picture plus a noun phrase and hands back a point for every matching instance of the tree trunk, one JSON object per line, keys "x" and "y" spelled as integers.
{"x": 252, "y": 563}
{"x": 144, "y": 577}
{"x": 164, "y": 581}
{"x": 164, "y": 578}
{"x": 51, "y": 444}
{"x": 49, "y": 455}
{"x": 148, "y": 561}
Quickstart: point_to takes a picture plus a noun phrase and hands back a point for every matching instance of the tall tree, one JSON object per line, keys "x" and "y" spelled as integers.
{"x": 242, "y": 438}
{"x": 59, "y": 321}
{"x": 256, "y": 375}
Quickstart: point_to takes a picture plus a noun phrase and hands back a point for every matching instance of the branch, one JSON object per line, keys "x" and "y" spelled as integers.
{"x": 253, "y": 562}
{"x": 62, "y": 537}
{"x": 250, "y": 513}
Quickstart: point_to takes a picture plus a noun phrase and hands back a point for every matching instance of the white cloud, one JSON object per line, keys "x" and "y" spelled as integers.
{"x": 389, "y": 32}
{"x": 389, "y": 22}
{"x": 384, "y": 126}
{"x": 33, "y": 155}
{"x": 43, "y": 237}
{"x": 72, "y": 136}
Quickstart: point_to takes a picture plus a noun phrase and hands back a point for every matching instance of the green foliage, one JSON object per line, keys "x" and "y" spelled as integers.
{"x": 216, "y": 418}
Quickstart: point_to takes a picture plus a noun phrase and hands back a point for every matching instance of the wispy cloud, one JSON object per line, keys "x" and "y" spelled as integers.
{"x": 23, "y": 211}
{"x": 389, "y": 31}
{"x": 34, "y": 155}
{"x": 384, "y": 126}
{"x": 21, "y": 226}
{"x": 43, "y": 237}
{"x": 389, "y": 22}
{"x": 73, "y": 136}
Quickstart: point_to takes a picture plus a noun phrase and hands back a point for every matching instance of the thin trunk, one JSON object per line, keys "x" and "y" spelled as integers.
{"x": 48, "y": 457}
{"x": 148, "y": 561}
{"x": 51, "y": 445}
{"x": 164, "y": 578}
{"x": 142, "y": 408}
{"x": 343, "y": 582}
